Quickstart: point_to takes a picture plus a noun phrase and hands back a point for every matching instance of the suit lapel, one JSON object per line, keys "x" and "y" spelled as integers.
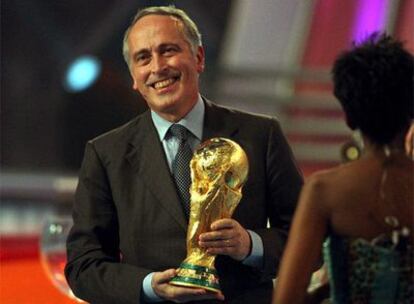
{"x": 217, "y": 123}
{"x": 148, "y": 159}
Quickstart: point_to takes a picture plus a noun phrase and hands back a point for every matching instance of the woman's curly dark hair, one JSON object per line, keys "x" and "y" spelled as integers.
{"x": 374, "y": 84}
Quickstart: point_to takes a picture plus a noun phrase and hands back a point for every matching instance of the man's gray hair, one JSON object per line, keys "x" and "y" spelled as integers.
{"x": 191, "y": 31}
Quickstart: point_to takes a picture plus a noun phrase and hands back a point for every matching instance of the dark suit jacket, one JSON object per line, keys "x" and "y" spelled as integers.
{"x": 128, "y": 220}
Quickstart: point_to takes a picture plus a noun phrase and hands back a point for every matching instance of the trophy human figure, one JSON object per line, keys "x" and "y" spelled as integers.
{"x": 219, "y": 169}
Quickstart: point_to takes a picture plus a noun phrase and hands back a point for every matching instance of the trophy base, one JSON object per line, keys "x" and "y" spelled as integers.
{"x": 197, "y": 276}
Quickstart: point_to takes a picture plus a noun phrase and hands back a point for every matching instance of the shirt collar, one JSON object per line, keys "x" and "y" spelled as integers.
{"x": 193, "y": 121}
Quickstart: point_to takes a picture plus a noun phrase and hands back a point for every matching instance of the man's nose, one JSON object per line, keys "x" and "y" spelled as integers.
{"x": 158, "y": 64}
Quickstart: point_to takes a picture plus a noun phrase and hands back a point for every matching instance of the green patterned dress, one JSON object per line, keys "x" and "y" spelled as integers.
{"x": 360, "y": 271}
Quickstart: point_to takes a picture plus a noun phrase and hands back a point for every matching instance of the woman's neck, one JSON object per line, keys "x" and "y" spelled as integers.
{"x": 373, "y": 149}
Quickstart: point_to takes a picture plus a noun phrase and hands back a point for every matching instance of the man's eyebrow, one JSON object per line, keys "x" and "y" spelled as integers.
{"x": 159, "y": 47}
{"x": 167, "y": 44}
{"x": 139, "y": 52}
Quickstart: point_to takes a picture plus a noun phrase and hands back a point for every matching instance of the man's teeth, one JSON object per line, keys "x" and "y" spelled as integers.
{"x": 164, "y": 83}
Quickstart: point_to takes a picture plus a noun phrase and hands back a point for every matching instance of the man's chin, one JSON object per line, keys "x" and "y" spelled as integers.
{"x": 166, "y": 103}
{"x": 164, "y": 106}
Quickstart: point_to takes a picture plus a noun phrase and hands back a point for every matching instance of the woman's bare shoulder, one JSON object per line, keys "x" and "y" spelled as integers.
{"x": 331, "y": 186}
{"x": 324, "y": 178}
{"x": 316, "y": 188}
{"x": 343, "y": 173}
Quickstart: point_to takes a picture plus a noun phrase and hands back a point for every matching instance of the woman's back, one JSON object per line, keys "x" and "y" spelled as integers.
{"x": 369, "y": 251}
{"x": 359, "y": 196}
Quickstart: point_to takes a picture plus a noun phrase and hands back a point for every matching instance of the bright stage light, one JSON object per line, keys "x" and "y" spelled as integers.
{"x": 82, "y": 73}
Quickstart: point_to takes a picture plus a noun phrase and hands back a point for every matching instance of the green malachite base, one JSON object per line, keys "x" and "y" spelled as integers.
{"x": 197, "y": 276}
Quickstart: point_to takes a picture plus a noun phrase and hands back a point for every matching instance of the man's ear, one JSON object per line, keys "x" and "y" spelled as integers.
{"x": 134, "y": 85}
{"x": 200, "y": 56}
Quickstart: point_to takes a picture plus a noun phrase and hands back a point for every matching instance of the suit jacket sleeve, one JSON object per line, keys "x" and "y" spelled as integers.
{"x": 283, "y": 185}
{"x": 94, "y": 270}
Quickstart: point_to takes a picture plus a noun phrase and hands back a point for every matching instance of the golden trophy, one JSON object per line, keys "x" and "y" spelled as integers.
{"x": 219, "y": 169}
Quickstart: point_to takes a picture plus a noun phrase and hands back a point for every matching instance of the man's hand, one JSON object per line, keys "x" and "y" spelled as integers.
{"x": 160, "y": 285}
{"x": 227, "y": 237}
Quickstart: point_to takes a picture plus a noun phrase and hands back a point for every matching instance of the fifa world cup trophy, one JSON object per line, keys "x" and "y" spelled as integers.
{"x": 219, "y": 169}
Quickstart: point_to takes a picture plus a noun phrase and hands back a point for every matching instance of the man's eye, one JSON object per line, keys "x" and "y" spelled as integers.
{"x": 141, "y": 59}
{"x": 169, "y": 50}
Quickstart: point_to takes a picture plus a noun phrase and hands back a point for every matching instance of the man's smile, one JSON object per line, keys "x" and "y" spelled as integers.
{"x": 164, "y": 83}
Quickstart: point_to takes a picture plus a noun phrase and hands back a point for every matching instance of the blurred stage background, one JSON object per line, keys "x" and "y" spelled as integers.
{"x": 268, "y": 56}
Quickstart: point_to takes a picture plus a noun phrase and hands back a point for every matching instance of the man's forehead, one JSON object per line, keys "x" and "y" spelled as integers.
{"x": 151, "y": 25}
{"x": 151, "y": 31}
{"x": 155, "y": 19}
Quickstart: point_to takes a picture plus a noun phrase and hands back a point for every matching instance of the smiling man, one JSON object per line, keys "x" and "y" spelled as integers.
{"x": 164, "y": 65}
{"x": 131, "y": 211}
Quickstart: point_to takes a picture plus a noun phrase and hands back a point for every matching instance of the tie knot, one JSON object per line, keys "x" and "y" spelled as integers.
{"x": 179, "y": 132}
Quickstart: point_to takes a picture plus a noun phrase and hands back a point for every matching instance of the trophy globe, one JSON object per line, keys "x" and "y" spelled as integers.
{"x": 55, "y": 231}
